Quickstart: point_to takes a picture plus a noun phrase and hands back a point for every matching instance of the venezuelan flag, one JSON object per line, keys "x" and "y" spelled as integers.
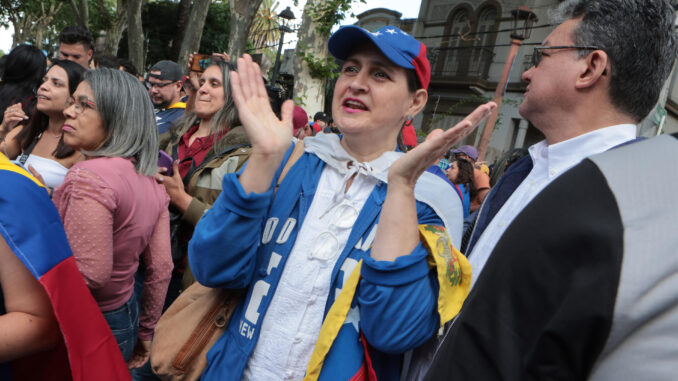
{"x": 31, "y": 226}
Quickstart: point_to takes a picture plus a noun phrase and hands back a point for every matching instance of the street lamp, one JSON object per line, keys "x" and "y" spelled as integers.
{"x": 285, "y": 15}
{"x": 523, "y": 19}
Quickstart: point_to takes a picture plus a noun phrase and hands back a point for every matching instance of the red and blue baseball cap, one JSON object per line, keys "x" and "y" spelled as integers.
{"x": 398, "y": 46}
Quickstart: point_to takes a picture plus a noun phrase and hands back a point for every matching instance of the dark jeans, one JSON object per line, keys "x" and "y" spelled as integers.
{"x": 124, "y": 323}
{"x": 145, "y": 373}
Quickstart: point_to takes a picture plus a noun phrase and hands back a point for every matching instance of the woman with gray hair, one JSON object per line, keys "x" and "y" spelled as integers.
{"x": 113, "y": 211}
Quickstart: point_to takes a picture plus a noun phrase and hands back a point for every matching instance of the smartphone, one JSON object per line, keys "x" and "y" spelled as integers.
{"x": 165, "y": 160}
{"x": 200, "y": 62}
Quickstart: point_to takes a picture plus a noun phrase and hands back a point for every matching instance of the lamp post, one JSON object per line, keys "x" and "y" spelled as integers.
{"x": 285, "y": 15}
{"x": 523, "y": 19}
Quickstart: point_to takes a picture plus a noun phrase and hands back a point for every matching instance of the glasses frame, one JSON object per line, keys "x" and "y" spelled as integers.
{"x": 80, "y": 105}
{"x": 538, "y": 55}
{"x": 150, "y": 85}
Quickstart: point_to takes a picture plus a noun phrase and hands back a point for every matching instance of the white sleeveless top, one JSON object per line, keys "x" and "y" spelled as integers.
{"x": 51, "y": 171}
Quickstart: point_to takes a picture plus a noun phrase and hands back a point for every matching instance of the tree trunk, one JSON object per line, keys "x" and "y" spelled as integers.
{"x": 118, "y": 25}
{"x": 81, "y": 10}
{"x": 242, "y": 14}
{"x": 196, "y": 22}
{"x": 183, "y": 11}
{"x": 309, "y": 91}
{"x": 45, "y": 20}
{"x": 135, "y": 33}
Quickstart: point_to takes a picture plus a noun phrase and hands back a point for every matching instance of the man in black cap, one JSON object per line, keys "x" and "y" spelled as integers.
{"x": 320, "y": 121}
{"x": 164, "y": 86}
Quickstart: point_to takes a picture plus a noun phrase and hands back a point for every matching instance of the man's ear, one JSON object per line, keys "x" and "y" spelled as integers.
{"x": 597, "y": 69}
{"x": 418, "y": 102}
{"x": 90, "y": 53}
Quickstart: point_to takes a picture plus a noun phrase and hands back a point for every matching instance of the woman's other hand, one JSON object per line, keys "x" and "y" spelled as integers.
{"x": 36, "y": 174}
{"x": 407, "y": 169}
{"x": 141, "y": 353}
{"x": 174, "y": 187}
{"x": 193, "y": 76}
{"x": 397, "y": 233}
{"x": 13, "y": 115}
{"x": 270, "y": 136}
{"x": 223, "y": 56}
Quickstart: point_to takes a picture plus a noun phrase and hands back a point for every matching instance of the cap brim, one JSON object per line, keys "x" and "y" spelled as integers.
{"x": 344, "y": 40}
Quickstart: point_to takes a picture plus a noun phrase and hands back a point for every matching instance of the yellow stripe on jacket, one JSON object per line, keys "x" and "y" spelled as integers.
{"x": 7, "y": 165}
{"x": 454, "y": 278}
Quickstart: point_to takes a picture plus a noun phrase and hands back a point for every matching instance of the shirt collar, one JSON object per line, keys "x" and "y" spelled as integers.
{"x": 566, "y": 154}
{"x": 329, "y": 149}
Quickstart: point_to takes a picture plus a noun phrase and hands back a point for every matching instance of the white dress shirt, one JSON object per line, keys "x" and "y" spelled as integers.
{"x": 549, "y": 162}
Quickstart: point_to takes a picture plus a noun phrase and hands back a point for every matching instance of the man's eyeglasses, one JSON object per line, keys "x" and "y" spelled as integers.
{"x": 150, "y": 85}
{"x": 538, "y": 54}
{"x": 81, "y": 104}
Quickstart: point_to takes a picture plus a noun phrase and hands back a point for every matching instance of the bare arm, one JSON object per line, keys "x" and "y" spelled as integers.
{"x": 398, "y": 233}
{"x": 29, "y": 326}
{"x": 9, "y": 146}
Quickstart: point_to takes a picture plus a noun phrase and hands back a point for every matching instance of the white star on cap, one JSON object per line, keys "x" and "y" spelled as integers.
{"x": 391, "y": 31}
{"x": 376, "y": 33}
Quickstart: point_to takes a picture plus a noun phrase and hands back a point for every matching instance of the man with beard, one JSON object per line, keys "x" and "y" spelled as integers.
{"x": 164, "y": 87}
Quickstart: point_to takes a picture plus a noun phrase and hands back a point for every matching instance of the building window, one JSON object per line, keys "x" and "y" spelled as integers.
{"x": 485, "y": 37}
{"x": 454, "y": 55}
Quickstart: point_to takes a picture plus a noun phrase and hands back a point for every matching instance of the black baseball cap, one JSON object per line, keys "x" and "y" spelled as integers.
{"x": 169, "y": 70}
{"x": 321, "y": 116}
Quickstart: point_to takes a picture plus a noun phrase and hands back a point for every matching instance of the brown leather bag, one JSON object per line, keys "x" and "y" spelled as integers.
{"x": 188, "y": 329}
{"x": 195, "y": 321}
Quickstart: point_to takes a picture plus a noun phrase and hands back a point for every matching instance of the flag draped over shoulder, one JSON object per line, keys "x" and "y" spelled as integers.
{"x": 32, "y": 228}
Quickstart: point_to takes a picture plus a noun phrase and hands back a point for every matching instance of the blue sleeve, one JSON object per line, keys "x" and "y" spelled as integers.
{"x": 398, "y": 300}
{"x": 222, "y": 251}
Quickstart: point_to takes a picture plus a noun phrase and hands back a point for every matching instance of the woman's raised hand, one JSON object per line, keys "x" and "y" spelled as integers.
{"x": 407, "y": 169}
{"x": 269, "y": 135}
{"x": 14, "y": 114}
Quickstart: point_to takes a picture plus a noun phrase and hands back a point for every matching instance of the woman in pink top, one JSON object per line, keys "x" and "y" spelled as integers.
{"x": 113, "y": 210}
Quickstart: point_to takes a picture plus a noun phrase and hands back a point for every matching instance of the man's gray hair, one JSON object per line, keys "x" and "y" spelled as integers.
{"x": 639, "y": 38}
{"x": 225, "y": 118}
{"x": 127, "y": 113}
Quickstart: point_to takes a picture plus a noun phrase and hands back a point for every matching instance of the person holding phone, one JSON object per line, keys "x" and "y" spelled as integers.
{"x": 113, "y": 210}
{"x": 300, "y": 252}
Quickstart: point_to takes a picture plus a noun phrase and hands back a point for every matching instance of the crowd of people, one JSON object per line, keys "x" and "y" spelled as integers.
{"x": 351, "y": 251}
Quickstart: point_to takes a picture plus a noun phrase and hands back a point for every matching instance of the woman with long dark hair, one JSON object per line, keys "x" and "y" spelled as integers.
{"x": 24, "y": 68}
{"x": 460, "y": 173}
{"x": 39, "y": 146}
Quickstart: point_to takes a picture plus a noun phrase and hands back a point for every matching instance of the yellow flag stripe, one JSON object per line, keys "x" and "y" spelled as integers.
{"x": 333, "y": 321}
{"x": 7, "y": 165}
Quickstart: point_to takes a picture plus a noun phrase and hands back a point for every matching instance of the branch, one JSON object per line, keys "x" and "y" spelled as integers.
{"x": 76, "y": 10}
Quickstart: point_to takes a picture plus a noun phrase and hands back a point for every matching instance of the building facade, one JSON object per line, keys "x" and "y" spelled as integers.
{"x": 467, "y": 43}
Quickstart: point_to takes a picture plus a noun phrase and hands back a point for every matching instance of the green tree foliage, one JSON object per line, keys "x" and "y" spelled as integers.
{"x": 265, "y": 32}
{"x": 160, "y": 30}
{"x": 217, "y": 27}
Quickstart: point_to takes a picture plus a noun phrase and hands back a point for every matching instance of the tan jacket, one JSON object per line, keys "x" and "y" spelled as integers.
{"x": 205, "y": 183}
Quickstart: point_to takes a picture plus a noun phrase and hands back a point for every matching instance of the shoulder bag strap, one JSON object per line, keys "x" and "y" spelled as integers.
{"x": 294, "y": 156}
{"x": 24, "y": 156}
